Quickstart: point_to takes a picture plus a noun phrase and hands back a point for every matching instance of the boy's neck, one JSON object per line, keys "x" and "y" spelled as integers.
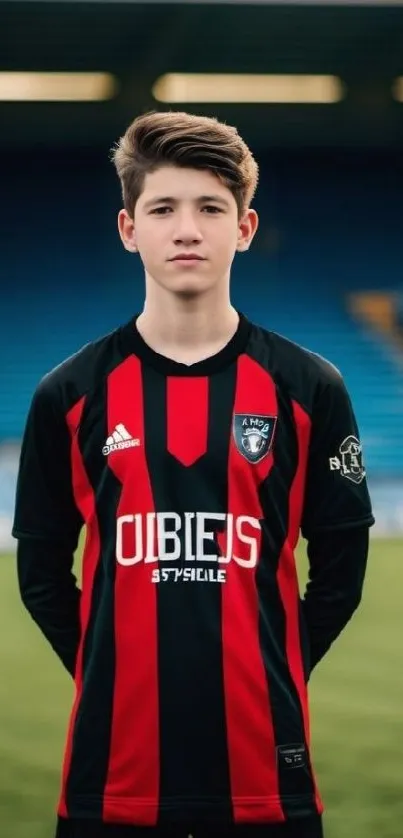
{"x": 187, "y": 331}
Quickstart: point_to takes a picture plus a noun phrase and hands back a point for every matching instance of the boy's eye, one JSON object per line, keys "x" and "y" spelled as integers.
{"x": 211, "y": 208}
{"x": 160, "y": 210}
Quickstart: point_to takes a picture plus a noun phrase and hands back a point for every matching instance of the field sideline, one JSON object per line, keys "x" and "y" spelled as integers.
{"x": 356, "y": 707}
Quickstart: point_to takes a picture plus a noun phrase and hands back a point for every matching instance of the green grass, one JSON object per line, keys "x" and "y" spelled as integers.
{"x": 356, "y": 709}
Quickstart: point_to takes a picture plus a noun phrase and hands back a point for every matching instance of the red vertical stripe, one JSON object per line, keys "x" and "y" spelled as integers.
{"x": 132, "y": 786}
{"x": 187, "y": 412}
{"x": 287, "y": 575}
{"x": 85, "y": 501}
{"x": 251, "y": 743}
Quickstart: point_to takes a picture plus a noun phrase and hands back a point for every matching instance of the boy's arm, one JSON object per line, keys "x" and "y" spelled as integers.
{"x": 336, "y": 518}
{"x": 47, "y": 525}
{"x": 337, "y": 565}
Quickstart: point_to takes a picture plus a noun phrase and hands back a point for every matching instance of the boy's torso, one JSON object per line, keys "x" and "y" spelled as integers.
{"x": 191, "y": 677}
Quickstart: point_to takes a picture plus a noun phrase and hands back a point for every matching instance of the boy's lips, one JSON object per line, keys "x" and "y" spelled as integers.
{"x": 182, "y": 257}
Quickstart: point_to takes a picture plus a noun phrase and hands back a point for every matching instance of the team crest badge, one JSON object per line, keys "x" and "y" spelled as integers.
{"x": 349, "y": 464}
{"x": 254, "y": 435}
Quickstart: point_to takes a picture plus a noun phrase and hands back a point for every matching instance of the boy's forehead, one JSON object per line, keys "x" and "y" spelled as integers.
{"x": 178, "y": 180}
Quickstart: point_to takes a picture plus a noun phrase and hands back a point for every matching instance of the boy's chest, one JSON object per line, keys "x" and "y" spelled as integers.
{"x": 195, "y": 465}
{"x": 183, "y": 435}
{"x": 191, "y": 443}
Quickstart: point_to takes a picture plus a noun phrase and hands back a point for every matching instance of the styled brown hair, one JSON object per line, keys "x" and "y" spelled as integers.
{"x": 157, "y": 138}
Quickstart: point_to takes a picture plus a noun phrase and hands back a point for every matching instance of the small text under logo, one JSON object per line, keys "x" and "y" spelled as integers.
{"x": 118, "y": 440}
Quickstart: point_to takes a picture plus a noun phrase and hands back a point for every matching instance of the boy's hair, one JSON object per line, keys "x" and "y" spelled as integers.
{"x": 177, "y": 138}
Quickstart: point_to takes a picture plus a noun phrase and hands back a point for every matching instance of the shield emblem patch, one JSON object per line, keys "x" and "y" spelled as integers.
{"x": 254, "y": 435}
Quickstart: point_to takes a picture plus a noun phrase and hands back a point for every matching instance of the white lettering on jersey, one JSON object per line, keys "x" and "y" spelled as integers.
{"x": 160, "y": 537}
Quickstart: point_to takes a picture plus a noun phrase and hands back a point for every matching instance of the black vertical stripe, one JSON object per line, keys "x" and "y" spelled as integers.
{"x": 288, "y": 722}
{"x": 193, "y": 744}
{"x": 92, "y": 731}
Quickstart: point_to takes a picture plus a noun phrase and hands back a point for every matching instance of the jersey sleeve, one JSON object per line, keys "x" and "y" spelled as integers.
{"x": 44, "y": 507}
{"x": 336, "y": 494}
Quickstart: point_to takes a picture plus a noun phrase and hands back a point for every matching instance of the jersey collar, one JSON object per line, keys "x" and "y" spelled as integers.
{"x": 135, "y": 344}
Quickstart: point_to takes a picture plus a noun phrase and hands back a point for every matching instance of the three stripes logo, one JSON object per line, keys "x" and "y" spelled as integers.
{"x": 119, "y": 439}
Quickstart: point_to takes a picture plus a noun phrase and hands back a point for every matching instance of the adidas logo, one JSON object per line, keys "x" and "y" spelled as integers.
{"x": 120, "y": 438}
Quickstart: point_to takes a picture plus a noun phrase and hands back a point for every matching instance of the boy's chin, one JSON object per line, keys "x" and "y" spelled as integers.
{"x": 189, "y": 288}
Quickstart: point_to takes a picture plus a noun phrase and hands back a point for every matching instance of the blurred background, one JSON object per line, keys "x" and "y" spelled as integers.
{"x": 316, "y": 91}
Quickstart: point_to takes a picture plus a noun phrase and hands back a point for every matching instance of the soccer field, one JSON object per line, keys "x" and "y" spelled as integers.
{"x": 356, "y": 706}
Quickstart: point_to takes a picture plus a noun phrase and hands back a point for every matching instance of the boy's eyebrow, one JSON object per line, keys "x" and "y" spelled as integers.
{"x": 168, "y": 199}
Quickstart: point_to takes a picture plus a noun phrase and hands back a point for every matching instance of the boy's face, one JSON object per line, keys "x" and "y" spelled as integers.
{"x": 186, "y": 212}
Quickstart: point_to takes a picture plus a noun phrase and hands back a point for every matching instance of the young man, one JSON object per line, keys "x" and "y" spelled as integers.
{"x": 194, "y": 446}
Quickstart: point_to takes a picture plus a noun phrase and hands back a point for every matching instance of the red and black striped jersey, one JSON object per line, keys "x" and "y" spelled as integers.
{"x": 193, "y": 483}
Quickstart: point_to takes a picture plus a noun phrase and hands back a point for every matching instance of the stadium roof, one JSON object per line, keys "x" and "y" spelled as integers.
{"x": 138, "y": 42}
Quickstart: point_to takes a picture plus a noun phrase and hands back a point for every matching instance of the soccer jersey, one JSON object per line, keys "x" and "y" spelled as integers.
{"x": 193, "y": 483}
